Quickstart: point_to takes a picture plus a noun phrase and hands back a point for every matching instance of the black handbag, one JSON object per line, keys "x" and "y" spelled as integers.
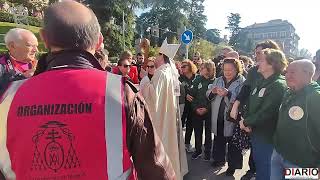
{"x": 240, "y": 139}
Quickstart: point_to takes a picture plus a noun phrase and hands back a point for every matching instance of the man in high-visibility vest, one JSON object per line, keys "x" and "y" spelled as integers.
{"x": 73, "y": 120}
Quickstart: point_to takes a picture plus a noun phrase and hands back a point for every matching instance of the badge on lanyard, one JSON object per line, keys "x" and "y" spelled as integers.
{"x": 254, "y": 91}
{"x": 200, "y": 86}
{"x": 177, "y": 89}
{"x": 296, "y": 113}
{"x": 261, "y": 92}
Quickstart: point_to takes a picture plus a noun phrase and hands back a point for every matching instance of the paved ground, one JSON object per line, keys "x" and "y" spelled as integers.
{"x": 201, "y": 170}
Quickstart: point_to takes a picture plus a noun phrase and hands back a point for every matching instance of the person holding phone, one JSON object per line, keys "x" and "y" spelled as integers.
{"x": 222, "y": 93}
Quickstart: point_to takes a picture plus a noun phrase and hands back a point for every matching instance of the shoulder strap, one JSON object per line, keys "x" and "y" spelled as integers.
{"x": 5, "y": 162}
{"x": 132, "y": 86}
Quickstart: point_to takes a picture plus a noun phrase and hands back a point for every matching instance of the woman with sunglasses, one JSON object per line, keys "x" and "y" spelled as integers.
{"x": 124, "y": 66}
{"x": 188, "y": 73}
{"x": 222, "y": 93}
{"x": 151, "y": 67}
{"x": 133, "y": 71}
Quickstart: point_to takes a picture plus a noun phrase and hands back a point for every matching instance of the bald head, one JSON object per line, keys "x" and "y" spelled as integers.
{"x": 299, "y": 74}
{"x": 70, "y": 25}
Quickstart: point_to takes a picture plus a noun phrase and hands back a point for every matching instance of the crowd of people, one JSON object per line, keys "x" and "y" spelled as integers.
{"x": 137, "y": 112}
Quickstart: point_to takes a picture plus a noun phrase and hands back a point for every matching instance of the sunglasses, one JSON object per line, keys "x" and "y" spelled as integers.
{"x": 152, "y": 66}
{"x": 126, "y": 66}
{"x": 229, "y": 60}
{"x": 184, "y": 66}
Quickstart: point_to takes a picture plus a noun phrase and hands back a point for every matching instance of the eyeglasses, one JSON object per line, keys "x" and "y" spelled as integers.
{"x": 152, "y": 66}
{"x": 184, "y": 66}
{"x": 229, "y": 60}
{"x": 126, "y": 66}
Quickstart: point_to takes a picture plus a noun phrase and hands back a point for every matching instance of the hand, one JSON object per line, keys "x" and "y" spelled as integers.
{"x": 189, "y": 98}
{"x": 234, "y": 111}
{"x": 248, "y": 130}
{"x": 243, "y": 127}
{"x": 222, "y": 91}
{"x": 201, "y": 111}
{"x": 214, "y": 90}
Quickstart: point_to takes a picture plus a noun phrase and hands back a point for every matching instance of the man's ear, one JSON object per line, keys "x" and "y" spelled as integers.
{"x": 100, "y": 42}
{"x": 11, "y": 46}
{"x": 44, "y": 38}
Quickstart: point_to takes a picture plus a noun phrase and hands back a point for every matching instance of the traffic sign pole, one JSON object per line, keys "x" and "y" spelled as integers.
{"x": 187, "y": 52}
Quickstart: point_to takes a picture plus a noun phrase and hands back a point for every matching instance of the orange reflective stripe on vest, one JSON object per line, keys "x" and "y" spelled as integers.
{"x": 65, "y": 124}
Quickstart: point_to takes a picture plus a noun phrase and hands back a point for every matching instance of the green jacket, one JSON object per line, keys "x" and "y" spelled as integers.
{"x": 298, "y": 129}
{"x": 253, "y": 77}
{"x": 198, "y": 92}
{"x": 263, "y": 107}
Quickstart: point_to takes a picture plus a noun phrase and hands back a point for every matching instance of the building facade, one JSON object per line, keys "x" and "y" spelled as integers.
{"x": 278, "y": 30}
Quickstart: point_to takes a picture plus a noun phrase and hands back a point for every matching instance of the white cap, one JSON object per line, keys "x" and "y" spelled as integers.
{"x": 169, "y": 50}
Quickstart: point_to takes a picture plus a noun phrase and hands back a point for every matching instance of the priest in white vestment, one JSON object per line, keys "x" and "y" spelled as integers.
{"x": 161, "y": 97}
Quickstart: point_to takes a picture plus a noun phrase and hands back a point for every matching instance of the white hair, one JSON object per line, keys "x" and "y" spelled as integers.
{"x": 14, "y": 35}
{"x": 306, "y": 65}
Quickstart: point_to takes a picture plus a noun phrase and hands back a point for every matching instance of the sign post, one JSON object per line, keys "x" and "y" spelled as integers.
{"x": 186, "y": 38}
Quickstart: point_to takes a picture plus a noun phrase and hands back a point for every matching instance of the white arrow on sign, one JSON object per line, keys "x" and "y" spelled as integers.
{"x": 187, "y": 37}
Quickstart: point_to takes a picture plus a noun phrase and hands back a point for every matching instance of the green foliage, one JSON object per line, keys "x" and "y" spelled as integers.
{"x": 153, "y": 51}
{"x": 245, "y": 45}
{"x": 239, "y": 37}
{"x": 197, "y": 19}
{"x": 213, "y": 36}
{"x": 5, "y": 27}
{"x": 233, "y": 26}
{"x": 7, "y": 17}
{"x": 104, "y": 10}
{"x": 205, "y": 48}
{"x": 165, "y": 14}
{"x": 38, "y": 5}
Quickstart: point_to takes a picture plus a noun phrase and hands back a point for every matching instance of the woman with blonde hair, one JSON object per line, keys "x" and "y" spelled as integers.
{"x": 264, "y": 103}
{"x": 200, "y": 109}
{"x": 188, "y": 73}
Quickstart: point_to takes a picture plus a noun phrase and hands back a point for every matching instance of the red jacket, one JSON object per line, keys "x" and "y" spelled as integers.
{"x": 133, "y": 74}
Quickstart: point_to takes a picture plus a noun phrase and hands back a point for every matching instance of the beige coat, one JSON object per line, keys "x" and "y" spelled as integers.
{"x": 163, "y": 106}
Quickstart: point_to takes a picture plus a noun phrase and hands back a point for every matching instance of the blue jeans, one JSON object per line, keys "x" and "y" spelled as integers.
{"x": 262, "y": 158}
{"x": 278, "y": 165}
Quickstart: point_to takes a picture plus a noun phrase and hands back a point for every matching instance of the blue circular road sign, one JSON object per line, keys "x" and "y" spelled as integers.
{"x": 187, "y": 36}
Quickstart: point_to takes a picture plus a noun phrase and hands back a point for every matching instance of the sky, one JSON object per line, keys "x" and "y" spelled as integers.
{"x": 302, "y": 14}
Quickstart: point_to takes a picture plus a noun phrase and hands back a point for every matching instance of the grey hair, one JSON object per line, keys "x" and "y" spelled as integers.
{"x": 14, "y": 35}
{"x": 306, "y": 65}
